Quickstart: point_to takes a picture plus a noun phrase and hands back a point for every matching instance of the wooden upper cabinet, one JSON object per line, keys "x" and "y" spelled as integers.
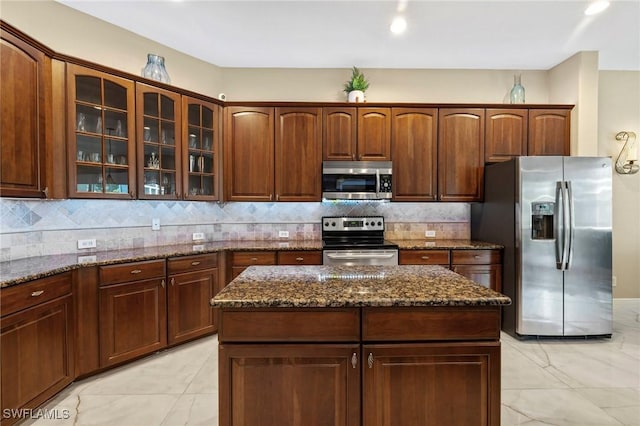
{"x": 414, "y": 151}
{"x": 549, "y": 132}
{"x": 460, "y": 154}
{"x": 25, "y": 73}
{"x": 249, "y": 154}
{"x": 374, "y": 134}
{"x": 158, "y": 116}
{"x": 201, "y": 156}
{"x": 339, "y": 136}
{"x": 298, "y": 154}
{"x": 101, "y": 134}
{"x": 506, "y": 135}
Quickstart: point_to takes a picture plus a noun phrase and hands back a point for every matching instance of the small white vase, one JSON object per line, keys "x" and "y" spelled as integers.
{"x": 356, "y": 96}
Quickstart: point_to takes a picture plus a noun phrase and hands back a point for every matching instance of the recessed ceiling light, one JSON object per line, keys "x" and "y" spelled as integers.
{"x": 398, "y": 25}
{"x": 596, "y": 7}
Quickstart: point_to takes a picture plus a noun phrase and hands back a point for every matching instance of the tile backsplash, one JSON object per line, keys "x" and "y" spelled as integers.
{"x": 41, "y": 227}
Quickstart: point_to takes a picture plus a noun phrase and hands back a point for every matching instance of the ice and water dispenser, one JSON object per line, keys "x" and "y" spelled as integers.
{"x": 542, "y": 220}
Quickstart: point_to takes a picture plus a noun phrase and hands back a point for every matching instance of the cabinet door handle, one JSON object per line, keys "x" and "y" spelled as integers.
{"x": 270, "y": 197}
{"x": 173, "y": 281}
{"x": 195, "y": 263}
{"x": 277, "y": 197}
{"x": 300, "y": 259}
{"x": 354, "y": 360}
{"x": 162, "y": 283}
{"x": 37, "y": 293}
{"x": 45, "y": 191}
{"x": 425, "y": 257}
{"x": 136, "y": 271}
{"x": 370, "y": 360}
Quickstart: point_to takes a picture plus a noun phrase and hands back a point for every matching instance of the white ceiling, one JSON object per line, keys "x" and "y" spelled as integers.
{"x": 497, "y": 34}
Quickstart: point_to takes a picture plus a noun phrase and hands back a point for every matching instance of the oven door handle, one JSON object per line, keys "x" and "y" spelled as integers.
{"x": 360, "y": 256}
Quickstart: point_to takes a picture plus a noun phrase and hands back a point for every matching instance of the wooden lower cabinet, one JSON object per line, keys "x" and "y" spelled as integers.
{"x": 431, "y": 384}
{"x": 193, "y": 281}
{"x": 443, "y": 368}
{"x": 265, "y": 381}
{"x": 133, "y": 320}
{"x": 36, "y": 345}
{"x": 238, "y": 261}
{"x": 481, "y": 266}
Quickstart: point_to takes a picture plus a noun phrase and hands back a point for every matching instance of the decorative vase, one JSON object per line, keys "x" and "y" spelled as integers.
{"x": 517, "y": 91}
{"x": 155, "y": 69}
{"x": 355, "y": 96}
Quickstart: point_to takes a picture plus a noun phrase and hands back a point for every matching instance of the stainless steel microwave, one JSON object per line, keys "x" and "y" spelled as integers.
{"x": 356, "y": 180}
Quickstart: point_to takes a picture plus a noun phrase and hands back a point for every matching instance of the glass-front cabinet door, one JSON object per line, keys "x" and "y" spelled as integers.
{"x": 159, "y": 136}
{"x": 101, "y": 134}
{"x": 201, "y": 150}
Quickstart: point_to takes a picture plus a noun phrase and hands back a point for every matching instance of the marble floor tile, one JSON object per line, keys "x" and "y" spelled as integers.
{"x": 544, "y": 382}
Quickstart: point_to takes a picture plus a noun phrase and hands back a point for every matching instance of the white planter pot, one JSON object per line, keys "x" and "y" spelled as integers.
{"x": 356, "y": 96}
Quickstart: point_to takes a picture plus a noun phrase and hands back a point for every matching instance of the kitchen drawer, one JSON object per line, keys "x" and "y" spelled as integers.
{"x": 178, "y": 265}
{"x": 424, "y": 257}
{"x": 475, "y": 257}
{"x": 22, "y": 296}
{"x": 290, "y": 325}
{"x": 300, "y": 257}
{"x": 134, "y": 271}
{"x": 249, "y": 258}
{"x": 430, "y": 323}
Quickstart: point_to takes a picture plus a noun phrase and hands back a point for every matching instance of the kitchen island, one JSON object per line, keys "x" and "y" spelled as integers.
{"x": 393, "y": 345}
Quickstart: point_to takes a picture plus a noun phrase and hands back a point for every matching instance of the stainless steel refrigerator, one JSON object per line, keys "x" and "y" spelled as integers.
{"x": 553, "y": 216}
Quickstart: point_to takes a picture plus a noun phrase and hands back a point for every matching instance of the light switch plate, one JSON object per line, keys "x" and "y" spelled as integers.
{"x": 197, "y": 236}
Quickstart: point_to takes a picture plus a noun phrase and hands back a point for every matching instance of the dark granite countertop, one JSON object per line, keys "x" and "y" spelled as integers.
{"x": 27, "y": 269}
{"x": 445, "y": 245}
{"x": 353, "y": 286}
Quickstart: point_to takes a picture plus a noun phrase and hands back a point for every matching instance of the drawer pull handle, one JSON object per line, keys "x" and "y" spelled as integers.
{"x": 299, "y": 259}
{"x": 37, "y": 293}
{"x": 254, "y": 259}
{"x": 136, "y": 271}
{"x": 476, "y": 257}
{"x": 425, "y": 257}
{"x": 195, "y": 263}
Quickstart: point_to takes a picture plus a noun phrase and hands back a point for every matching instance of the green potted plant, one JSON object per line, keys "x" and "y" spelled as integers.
{"x": 356, "y": 87}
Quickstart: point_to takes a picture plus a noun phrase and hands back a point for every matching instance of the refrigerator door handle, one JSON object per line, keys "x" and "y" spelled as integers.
{"x": 557, "y": 229}
{"x": 569, "y": 232}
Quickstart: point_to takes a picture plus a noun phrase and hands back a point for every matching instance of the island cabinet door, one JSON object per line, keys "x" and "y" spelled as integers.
{"x": 289, "y": 385}
{"x": 431, "y": 384}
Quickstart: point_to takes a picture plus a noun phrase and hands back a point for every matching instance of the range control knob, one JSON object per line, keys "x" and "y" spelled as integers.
{"x": 326, "y": 224}
{"x": 333, "y": 224}
{"x": 379, "y": 223}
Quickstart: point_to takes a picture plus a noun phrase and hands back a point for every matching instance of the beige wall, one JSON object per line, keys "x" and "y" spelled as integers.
{"x": 73, "y": 33}
{"x": 619, "y": 109}
{"x": 387, "y": 85}
{"x": 605, "y": 103}
{"x": 575, "y": 81}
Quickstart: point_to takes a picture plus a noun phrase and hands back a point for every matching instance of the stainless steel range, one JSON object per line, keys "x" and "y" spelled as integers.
{"x": 352, "y": 241}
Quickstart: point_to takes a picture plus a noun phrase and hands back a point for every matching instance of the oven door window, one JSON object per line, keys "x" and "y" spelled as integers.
{"x": 348, "y": 183}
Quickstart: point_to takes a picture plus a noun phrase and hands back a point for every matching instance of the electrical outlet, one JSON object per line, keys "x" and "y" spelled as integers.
{"x": 85, "y": 244}
{"x": 283, "y": 234}
{"x": 197, "y": 247}
{"x": 155, "y": 224}
{"x": 430, "y": 234}
{"x": 198, "y": 236}
{"x": 87, "y": 259}
{"x": 613, "y": 281}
